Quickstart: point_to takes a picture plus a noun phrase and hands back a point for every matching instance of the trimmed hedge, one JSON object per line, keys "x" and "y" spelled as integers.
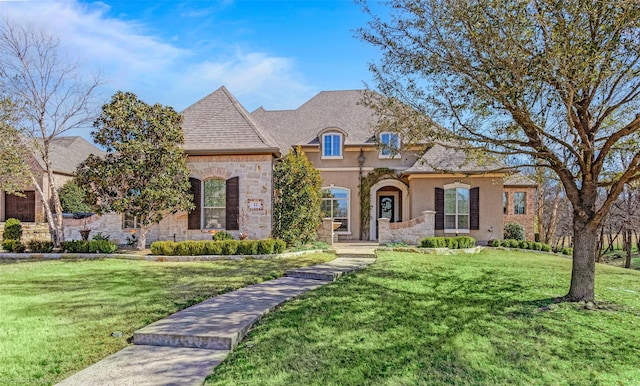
{"x": 37, "y": 246}
{"x": 222, "y": 247}
{"x": 512, "y": 243}
{"x": 93, "y": 246}
{"x": 14, "y": 246}
{"x": 459, "y": 242}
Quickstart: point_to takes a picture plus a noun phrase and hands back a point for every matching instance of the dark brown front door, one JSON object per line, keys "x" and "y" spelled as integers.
{"x": 22, "y": 208}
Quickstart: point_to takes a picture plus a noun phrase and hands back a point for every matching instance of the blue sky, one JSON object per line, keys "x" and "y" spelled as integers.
{"x": 275, "y": 54}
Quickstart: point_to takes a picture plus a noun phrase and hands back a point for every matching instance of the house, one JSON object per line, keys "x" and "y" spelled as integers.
{"x": 373, "y": 193}
{"x": 65, "y": 154}
{"x": 440, "y": 192}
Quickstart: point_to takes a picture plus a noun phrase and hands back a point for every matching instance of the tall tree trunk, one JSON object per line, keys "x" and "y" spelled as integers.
{"x": 627, "y": 247}
{"x": 47, "y": 209}
{"x": 584, "y": 261}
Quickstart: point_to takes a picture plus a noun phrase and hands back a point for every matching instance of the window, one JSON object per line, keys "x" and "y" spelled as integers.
{"x": 214, "y": 204}
{"x": 456, "y": 208}
{"x": 505, "y": 202}
{"x": 335, "y": 204}
{"x": 129, "y": 221}
{"x": 519, "y": 200}
{"x": 390, "y": 143}
{"x": 332, "y": 145}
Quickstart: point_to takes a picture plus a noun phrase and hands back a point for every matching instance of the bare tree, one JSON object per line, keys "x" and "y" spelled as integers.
{"x": 556, "y": 81}
{"x": 53, "y": 96}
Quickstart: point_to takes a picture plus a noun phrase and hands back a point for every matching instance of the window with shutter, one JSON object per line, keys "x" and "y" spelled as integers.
{"x": 233, "y": 204}
{"x": 439, "y": 205}
{"x": 193, "y": 221}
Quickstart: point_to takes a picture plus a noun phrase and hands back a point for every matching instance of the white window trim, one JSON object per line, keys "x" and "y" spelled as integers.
{"x": 398, "y": 144}
{"x": 524, "y": 203}
{"x": 341, "y": 137}
{"x": 136, "y": 225}
{"x": 458, "y": 185}
{"x": 348, "y": 231}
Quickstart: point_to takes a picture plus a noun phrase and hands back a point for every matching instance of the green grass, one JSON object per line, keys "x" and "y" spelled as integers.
{"x": 414, "y": 319}
{"x": 57, "y": 317}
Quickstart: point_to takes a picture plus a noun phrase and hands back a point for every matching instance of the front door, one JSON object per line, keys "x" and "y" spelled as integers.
{"x": 21, "y": 208}
{"x": 386, "y": 208}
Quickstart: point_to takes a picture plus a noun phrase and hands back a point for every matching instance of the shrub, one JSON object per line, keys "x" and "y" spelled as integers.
{"x": 434, "y": 242}
{"x": 221, "y": 236}
{"x": 14, "y": 246}
{"x": 567, "y": 251}
{"x": 265, "y": 247}
{"x": 494, "y": 243}
{"x": 164, "y": 248}
{"x": 247, "y": 247}
{"x": 75, "y": 246}
{"x": 12, "y": 229}
{"x": 452, "y": 243}
{"x": 37, "y": 246}
{"x": 523, "y": 244}
{"x": 183, "y": 248}
{"x": 536, "y": 245}
{"x": 279, "y": 246}
{"x": 510, "y": 243}
{"x": 229, "y": 247}
{"x": 99, "y": 236}
{"x": 545, "y": 248}
{"x": 214, "y": 248}
{"x": 515, "y": 231}
{"x": 466, "y": 242}
{"x": 102, "y": 246}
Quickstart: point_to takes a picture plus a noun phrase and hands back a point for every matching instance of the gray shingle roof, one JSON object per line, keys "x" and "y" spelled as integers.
{"x": 441, "y": 159}
{"x": 518, "y": 179}
{"x": 218, "y": 123}
{"x": 328, "y": 109}
{"x": 66, "y": 153}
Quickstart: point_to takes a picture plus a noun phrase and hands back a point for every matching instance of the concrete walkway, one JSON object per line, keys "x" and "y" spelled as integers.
{"x": 185, "y": 347}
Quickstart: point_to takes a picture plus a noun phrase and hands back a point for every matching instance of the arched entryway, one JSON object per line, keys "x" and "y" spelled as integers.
{"x": 390, "y": 199}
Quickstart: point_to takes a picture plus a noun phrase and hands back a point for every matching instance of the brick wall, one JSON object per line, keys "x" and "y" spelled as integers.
{"x": 528, "y": 218}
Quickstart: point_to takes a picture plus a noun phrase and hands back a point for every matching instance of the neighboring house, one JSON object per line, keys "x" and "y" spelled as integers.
{"x": 65, "y": 153}
{"x": 231, "y": 153}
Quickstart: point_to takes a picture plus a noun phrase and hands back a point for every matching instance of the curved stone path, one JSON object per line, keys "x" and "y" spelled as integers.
{"x": 183, "y": 348}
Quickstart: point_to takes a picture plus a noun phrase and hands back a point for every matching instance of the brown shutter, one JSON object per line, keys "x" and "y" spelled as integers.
{"x": 439, "y": 208}
{"x": 474, "y": 208}
{"x": 233, "y": 203}
{"x": 195, "y": 214}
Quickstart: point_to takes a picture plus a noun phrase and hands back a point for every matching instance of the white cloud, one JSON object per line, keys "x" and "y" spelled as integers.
{"x": 132, "y": 59}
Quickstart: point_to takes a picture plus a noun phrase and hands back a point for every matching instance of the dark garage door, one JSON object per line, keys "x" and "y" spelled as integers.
{"x": 22, "y": 208}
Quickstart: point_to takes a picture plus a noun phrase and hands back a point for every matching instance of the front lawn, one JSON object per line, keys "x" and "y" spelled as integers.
{"x": 414, "y": 319}
{"x": 58, "y": 317}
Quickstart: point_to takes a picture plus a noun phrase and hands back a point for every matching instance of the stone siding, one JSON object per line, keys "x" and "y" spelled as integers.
{"x": 528, "y": 218}
{"x": 255, "y": 178}
{"x": 410, "y": 232}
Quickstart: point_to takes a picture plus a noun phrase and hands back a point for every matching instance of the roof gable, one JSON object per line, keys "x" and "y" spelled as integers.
{"x": 328, "y": 109}
{"x": 219, "y": 123}
{"x": 66, "y": 153}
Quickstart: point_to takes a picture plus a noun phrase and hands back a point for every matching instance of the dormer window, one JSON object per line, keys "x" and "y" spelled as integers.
{"x": 389, "y": 145}
{"x": 332, "y": 145}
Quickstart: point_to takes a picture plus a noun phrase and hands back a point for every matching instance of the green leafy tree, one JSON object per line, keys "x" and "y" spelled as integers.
{"x": 72, "y": 198}
{"x": 144, "y": 172}
{"x": 297, "y": 199}
{"x": 552, "y": 84}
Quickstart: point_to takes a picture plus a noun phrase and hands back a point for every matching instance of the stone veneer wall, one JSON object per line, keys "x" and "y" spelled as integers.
{"x": 410, "y": 232}
{"x": 528, "y": 218}
{"x": 255, "y": 179}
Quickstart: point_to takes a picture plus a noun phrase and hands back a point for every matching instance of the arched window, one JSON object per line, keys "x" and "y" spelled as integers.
{"x": 332, "y": 145}
{"x": 335, "y": 204}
